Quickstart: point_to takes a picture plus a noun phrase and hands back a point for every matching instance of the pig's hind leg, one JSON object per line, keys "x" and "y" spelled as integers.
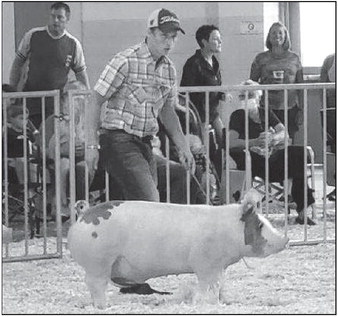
{"x": 97, "y": 285}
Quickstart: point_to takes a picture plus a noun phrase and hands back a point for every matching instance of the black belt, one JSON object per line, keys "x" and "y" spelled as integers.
{"x": 145, "y": 139}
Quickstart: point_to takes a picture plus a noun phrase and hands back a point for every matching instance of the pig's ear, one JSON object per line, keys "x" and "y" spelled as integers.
{"x": 80, "y": 208}
{"x": 248, "y": 210}
{"x": 252, "y": 229}
{"x": 253, "y": 198}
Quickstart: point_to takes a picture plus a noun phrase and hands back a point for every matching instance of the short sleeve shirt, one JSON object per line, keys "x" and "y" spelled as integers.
{"x": 50, "y": 58}
{"x": 136, "y": 87}
{"x": 268, "y": 69}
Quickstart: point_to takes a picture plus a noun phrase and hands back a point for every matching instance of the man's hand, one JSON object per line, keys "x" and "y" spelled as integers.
{"x": 188, "y": 161}
{"x": 92, "y": 159}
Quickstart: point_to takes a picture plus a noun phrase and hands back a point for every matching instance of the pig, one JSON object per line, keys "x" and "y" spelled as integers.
{"x": 129, "y": 242}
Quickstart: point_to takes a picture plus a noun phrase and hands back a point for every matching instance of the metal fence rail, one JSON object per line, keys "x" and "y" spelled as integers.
{"x": 51, "y": 250}
{"x": 304, "y": 88}
{"x": 31, "y": 187}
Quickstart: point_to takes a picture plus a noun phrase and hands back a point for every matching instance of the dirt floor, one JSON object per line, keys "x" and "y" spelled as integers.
{"x": 299, "y": 280}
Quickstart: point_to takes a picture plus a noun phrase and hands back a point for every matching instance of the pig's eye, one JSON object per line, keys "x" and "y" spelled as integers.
{"x": 261, "y": 224}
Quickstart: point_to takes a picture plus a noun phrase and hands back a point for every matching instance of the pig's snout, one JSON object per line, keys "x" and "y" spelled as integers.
{"x": 281, "y": 243}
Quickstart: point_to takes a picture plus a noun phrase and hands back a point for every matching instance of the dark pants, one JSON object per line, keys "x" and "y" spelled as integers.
{"x": 130, "y": 162}
{"x": 276, "y": 170}
{"x": 178, "y": 183}
{"x": 292, "y": 120}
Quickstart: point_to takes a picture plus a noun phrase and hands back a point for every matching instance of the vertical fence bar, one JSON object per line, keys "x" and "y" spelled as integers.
{"x": 72, "y": 165}
{"x": 305, "y": 164}
{"x": 187, "y": 124}
{"x": 207, "y": 144}
{"x": 87, "y": 185}
{"x": 286, "y": 162}
{"x": 324, "y": 161}
{"x": 26, "y": 176}
{"x": 57, "y": 173}
{"x": 227, "y": 155}
{"x": 107, "y": 188}
{"x": 85, "y": 97}
{"x": 44, "y": 174}
{"x": 248, "y": 179}
{"x": 5, "y": 166}
{"x": 267, "y": 176}
{"x": 167, "y": 168}
{"x": 266, "y": 166}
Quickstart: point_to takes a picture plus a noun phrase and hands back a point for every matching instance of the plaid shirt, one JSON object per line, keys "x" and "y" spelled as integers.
{"x": 137, "y": 87}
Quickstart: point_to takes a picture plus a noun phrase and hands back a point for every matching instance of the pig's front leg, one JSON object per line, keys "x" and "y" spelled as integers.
{"x": 209, "y": 286}
{"x": 97, "y": 286}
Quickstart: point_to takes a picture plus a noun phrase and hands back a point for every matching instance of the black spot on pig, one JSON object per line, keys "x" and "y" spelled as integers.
{"x": 93, "y": 215}
{"x": 94, "y": 234}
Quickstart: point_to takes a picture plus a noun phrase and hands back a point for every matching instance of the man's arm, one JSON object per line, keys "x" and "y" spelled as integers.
{"x": 93, "y": 118}
{"x": 83, "y": 78}
{"x": 19, "y": 60}
{"x": 173, "y": 128}
{"x": 16, "y": 71}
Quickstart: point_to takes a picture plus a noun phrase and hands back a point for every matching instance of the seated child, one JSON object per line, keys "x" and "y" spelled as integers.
{"x": 15, "y": 143}
{"x": 79, "y": 111}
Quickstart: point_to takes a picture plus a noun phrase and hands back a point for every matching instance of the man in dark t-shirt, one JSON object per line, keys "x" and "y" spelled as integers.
{"x": 51, "y": 52}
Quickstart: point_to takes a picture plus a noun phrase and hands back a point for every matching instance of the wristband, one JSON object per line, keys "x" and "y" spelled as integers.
{"x": 94, "y": 147}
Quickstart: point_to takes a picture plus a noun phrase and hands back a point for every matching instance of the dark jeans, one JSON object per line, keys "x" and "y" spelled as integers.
{"x": 130, "y": 162}
{"x": 292, "y": 120}
{"x": 178, "y": 183}
{"x": 276, "y": 170}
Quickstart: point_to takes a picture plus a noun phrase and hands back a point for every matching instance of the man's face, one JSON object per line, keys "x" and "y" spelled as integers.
{"x": 58, "y": 20}
{"x": 160, "y": 44}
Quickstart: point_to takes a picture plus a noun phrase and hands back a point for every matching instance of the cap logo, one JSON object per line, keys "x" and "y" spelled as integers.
{"x": 167, "y": 19}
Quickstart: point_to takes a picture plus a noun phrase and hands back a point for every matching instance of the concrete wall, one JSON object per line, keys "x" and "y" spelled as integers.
{"x": 105, "y": 28}
{"x": 8, "y": 39}
{"x": 111, "y": 27}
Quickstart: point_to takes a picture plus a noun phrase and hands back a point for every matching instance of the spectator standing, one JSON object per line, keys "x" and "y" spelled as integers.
{"x": 51, "y": 52}
{"x": 202, "y": 69}
{"x": 279, "y": 65}
{"x": 139, "y": 85}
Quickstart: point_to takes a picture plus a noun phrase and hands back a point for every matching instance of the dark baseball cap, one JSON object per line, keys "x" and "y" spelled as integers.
{"x": 165, "y": 20}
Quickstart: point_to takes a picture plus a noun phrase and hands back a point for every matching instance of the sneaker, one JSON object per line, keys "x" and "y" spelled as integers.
{"x": 290, "y": 199}
{"x": 300, "y": 220}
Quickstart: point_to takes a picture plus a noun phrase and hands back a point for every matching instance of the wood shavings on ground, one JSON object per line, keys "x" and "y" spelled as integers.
{"x": 299, "y": 280}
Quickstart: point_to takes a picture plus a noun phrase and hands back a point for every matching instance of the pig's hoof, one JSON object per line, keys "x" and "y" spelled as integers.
{"x": 141, "y": 289}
